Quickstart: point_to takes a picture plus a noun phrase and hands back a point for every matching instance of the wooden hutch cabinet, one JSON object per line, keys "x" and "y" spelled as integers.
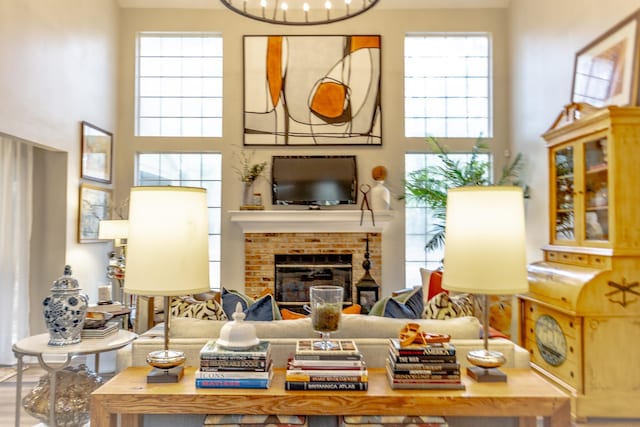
{"x": 581, "y": 318}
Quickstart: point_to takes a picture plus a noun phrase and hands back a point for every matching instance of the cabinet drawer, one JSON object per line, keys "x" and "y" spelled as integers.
{"x": 567, "y": 258}
{"x": 568, "y": 338}
{"x": 600, "y": 261}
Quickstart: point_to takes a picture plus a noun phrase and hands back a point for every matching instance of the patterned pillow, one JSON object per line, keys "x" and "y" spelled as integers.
{"x": 262, "y": 309}
{"x": 408, "y": 305}
{"x": 445, "y": 306}
{"x": 189, "y": 307}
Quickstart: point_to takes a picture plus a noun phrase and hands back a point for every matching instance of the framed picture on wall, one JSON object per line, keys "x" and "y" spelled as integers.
{"x": 312, "y": 90}
{"x": 94, "y": 206}
{"x": 97, "y": 153}
{"x": 606, "y": 70}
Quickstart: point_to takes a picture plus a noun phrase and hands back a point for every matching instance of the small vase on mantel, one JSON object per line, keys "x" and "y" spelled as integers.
{"x": 250, "y": 199}
{"x": 380, "y": 195}
{"x": 247, "y": 193}
{"x": 65, "y": 310}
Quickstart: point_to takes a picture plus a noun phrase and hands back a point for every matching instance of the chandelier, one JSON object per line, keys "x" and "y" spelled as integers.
{"x": 299, "y": 12}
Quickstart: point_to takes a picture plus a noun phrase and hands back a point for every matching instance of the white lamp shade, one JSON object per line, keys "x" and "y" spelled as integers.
{"x": 485, "y": 241}
{"x": 113, "y": 229}
{"x": 168, "y": 250}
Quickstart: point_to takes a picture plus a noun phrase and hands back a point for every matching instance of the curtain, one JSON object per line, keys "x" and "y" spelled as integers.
{"x": 16, "y": 188}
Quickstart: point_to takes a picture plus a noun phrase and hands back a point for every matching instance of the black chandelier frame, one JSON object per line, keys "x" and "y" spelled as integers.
{"x": 279, "y": 16}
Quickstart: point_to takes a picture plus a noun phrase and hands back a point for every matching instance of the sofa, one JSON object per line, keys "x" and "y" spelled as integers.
{"x": 371, "y": 334}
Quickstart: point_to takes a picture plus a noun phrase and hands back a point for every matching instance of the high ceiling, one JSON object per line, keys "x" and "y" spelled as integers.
{"x": 386, "y": 4}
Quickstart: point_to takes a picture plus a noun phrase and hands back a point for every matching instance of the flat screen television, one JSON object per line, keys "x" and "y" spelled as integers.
{"x": 314, "y": 180}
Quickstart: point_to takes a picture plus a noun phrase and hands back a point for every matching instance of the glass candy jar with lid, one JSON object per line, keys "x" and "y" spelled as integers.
{"x": 65, "y": 310}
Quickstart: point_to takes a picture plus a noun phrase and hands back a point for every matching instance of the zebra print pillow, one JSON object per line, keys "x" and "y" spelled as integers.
{"x": 189, "y": 307}
{"x": 445, "y": 306}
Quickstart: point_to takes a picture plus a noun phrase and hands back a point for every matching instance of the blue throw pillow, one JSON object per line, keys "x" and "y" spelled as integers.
{"x": 409, "y": 305}
{"x": 262, "y": 309}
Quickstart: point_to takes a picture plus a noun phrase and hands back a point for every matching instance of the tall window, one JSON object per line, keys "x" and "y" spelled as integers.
{"x": 190, "y": 170}
{"x": 419, "y": 220}
{"x": 179, "y": 84}
{"x": 447, "y": 85}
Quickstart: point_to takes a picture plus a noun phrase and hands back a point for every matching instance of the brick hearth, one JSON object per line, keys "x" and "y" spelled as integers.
{"x": 260, "y": 249}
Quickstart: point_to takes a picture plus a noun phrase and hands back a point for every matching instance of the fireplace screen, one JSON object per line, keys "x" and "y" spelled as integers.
{"x": 295, "y": 274}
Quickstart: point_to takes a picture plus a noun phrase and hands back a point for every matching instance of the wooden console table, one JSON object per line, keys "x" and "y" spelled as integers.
{"x": 525, "y": 395}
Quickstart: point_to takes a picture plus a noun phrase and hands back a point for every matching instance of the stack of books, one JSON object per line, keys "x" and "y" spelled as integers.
{"x": 426, "y": 366}
{"x": 222, "y": 367}
{"x": 340, "y": 368}
{"x": 107, "y": 329}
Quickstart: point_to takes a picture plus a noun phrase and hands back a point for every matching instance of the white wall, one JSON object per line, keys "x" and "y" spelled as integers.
{"x": 545, "y": 36}
{"x": 60, "y": 61}
{"x": 58, "y": 68}
{"x": 391, "y": 24}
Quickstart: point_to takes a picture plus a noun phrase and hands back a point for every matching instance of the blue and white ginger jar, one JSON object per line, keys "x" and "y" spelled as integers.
{"x": 65, "y": 310}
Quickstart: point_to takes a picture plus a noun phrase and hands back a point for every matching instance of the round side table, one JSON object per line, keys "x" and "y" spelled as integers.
{"x": 60, "y": 357}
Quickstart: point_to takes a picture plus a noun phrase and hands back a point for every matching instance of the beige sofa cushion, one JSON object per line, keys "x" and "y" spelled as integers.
{"x": 353, "y": 326}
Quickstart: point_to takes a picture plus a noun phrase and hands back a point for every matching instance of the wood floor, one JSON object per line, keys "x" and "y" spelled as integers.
{"x": 33, "y": 374}
{"x": 8, "y": 398}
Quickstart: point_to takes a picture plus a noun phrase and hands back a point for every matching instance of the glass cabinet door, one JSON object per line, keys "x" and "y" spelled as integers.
{"x": 564, "y": 194}
{"x": 596, "y": 209}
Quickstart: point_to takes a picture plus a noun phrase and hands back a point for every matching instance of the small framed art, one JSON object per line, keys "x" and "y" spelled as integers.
{"x": 97, "y": 153}
{"x": 606, "y": 70}
{"x": 94, "y": 206}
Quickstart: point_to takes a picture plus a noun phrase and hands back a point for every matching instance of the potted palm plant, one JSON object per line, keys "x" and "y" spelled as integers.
{"x": 430, "y": 184}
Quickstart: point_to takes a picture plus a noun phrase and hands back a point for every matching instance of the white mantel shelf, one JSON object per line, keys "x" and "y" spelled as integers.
{"x": 310, "y": 221}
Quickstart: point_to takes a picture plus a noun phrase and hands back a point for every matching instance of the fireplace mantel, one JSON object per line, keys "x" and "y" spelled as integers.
{"x": 310, "y": 221}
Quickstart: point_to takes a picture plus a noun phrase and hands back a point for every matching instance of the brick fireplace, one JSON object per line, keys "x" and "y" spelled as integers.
{"x": 285, "y": 232}
{"x": 260, "y": 250}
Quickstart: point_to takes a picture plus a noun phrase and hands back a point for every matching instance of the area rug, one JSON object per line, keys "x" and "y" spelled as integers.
{"x": 9, "y": 372}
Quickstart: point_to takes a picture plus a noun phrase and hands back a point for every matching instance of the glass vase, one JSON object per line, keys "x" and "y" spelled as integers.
{"x": 326, "y": 310}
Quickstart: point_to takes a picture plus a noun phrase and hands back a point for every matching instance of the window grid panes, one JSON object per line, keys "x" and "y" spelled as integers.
{"x": 447, "y": 85}
{"x": 179, "y": 84}
{"x": 419, "y": 220}
{"x": 190, "y": 170}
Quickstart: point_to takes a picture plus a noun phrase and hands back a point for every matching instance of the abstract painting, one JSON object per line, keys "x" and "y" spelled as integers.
{"x": 312, "y": 90}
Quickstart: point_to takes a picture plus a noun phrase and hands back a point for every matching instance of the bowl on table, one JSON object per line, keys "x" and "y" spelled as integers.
{"x": 96, "y": 319}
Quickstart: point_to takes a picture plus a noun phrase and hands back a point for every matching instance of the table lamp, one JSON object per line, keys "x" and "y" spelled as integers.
{"x": 485, "y": 254}
{"x": 168, "y": 255}
{"x": 116, "y": 229}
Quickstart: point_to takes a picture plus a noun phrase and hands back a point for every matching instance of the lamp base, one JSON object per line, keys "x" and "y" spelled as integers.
{"x": 167, "y": 366}
{"x": 164, "y": 376}
{"x": 486, "y": 375}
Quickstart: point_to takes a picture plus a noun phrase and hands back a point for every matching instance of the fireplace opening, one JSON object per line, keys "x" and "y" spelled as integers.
{"x": 296, "y": 274}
